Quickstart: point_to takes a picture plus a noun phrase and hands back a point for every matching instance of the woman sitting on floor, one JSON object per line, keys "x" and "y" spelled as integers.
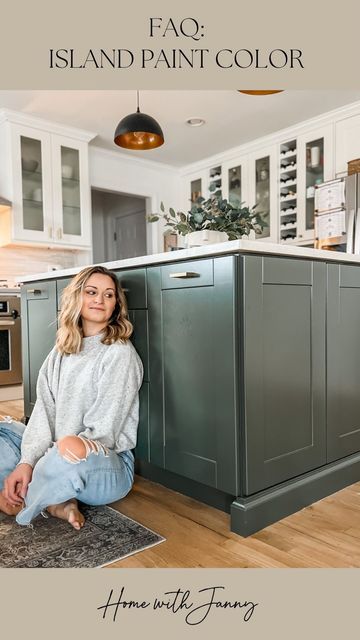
{"x": 79, "y": 440}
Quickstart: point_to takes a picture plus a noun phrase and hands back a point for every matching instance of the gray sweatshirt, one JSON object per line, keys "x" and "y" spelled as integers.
{"x": 93, "y": 393}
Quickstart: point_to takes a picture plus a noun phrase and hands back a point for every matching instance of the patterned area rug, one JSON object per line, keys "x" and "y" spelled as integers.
{"x": 107, "y": 536}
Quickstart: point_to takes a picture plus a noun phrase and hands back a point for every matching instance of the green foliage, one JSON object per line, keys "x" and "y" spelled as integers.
{"x": 214, "y": 214}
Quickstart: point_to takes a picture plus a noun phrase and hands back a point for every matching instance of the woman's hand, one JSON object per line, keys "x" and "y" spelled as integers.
{"x": 16, "y": 484}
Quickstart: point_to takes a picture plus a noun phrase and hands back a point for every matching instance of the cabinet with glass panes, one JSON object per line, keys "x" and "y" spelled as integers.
{"x": 262, "y": 191}
{"x": 234, "y": 182}
{"x": 46, "y": 179}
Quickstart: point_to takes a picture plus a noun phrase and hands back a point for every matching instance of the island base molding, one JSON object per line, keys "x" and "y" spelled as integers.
{"x": 251, "y": 514}
{"x": 190, "y": 488}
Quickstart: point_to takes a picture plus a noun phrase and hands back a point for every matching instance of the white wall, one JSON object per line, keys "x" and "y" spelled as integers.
{"x": 115, "y": 171}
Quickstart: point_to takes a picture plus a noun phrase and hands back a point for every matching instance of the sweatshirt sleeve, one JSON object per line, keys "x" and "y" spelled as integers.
{"x": 114, "y": 416}
{"x": 39, "y": 432}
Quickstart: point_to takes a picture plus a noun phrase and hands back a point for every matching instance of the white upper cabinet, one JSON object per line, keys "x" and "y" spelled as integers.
{"x": 45, "y": 174}
{"x": 347, "y": 142}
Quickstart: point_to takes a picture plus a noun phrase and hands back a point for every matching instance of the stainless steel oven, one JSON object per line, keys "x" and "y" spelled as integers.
{"x": 10, "y": 340}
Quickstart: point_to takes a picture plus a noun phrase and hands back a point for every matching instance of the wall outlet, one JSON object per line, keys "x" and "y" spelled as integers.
{"x": 53, "y": 267}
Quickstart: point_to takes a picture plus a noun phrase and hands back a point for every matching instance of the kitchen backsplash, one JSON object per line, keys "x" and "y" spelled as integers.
{"x": 18, "y": 261}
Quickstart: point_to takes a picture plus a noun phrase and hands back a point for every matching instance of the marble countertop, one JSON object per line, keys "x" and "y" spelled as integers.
{"x": 234, "y": 246}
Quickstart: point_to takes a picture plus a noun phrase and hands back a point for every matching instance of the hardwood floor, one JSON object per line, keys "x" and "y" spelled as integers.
{"x": 326, "y": 534}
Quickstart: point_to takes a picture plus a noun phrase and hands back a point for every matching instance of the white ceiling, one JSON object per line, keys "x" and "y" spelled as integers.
{"x": 232, "y": 118}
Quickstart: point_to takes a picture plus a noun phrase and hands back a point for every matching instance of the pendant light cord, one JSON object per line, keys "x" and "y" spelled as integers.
{"x": 138, "y": 109}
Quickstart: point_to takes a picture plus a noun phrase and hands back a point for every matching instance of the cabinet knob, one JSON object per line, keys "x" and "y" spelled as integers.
{"x": 184, "y": 274}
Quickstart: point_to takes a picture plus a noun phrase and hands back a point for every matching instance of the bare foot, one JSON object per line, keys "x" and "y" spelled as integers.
{"x": 5, "y": 507}
{"x": 68, "y": 511}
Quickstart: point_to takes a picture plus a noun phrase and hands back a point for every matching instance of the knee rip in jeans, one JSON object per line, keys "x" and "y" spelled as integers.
{"x": 76, "y": 449}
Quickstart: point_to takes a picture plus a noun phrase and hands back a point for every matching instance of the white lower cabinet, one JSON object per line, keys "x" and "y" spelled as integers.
{"x": 45, "y": 175}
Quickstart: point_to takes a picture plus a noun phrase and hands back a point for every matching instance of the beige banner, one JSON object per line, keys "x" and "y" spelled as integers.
{"x": 161, "y": 603}
{"x": 161, "y": 44}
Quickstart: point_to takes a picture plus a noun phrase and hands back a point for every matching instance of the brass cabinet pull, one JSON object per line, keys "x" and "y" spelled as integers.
{"x": 50, "y": 232}
{"x": 184, "y": 274}
{"x": 59, "y": 233}
{"x": 34, "y": 291}
{"x": 7, "y": 323}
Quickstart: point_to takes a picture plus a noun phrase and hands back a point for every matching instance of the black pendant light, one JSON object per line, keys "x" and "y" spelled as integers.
{"x": 138, "y": 131}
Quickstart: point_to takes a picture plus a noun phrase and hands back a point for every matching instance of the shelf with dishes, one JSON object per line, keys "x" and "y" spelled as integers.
{"x": 33, "y": 201}
{"x": 215, "y": 182}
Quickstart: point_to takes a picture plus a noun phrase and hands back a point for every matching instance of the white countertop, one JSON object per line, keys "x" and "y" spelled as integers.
{"x": 9, "y": 290}
{"x": 233, "y": 246}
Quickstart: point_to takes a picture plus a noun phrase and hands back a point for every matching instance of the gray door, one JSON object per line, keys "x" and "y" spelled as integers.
{"x": 130, "y": 235}
{"x": 283, "y": 355}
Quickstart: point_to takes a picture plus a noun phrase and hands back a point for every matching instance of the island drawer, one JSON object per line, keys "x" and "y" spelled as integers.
{"x": 197, "y": 273}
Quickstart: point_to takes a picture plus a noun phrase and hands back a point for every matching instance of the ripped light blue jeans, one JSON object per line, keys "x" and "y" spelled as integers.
{"x": 102, "y": 476}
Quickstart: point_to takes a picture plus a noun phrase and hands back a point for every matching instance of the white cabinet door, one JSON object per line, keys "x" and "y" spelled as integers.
{"x": 347, "y": 142}
{"x": 32, "y": 219}
{"x": 263, "y": 183}
{"x": 71, "y": 192}
{"x": 314, "y": 166}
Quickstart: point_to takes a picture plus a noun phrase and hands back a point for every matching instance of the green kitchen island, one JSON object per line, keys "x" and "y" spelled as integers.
{"x": 251, "y": 352}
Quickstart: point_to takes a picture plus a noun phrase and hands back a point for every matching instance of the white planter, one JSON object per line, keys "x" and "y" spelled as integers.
{"x": 200, "y": 238}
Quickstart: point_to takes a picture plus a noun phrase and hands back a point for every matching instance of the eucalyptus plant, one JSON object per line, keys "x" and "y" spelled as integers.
{"x": 213, "y": 214}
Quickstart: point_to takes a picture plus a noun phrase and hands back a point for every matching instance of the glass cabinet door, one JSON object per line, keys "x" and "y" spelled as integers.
{"x": 315, "y": 165}
{"x": 234, "y": 181}
{"x": 196, "y": 189}
{"x": 314, "y": 152}
{"x": 72, "y": 200}
{"x": 262, "y": 193}
{"x": 70, "y": 189}
{"x": 234, "y": 184}
{"x": 30, "y": 161}
{"x": 32, "y": 184}
{"x": 195, "y": 185}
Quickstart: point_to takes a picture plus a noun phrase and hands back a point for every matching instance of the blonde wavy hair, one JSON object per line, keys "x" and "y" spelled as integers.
{"x": 70, "y": 333}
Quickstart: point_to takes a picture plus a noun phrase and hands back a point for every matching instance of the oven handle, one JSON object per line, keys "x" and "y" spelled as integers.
{"x": 13, "y": 315}
{"x": 7, "y": 323}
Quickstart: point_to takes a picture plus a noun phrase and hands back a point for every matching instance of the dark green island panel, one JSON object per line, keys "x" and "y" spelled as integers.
{"x": 283, "y": 354}
{"x": 343, "y": 378}
{"x": 250, "y": 398}
{"x": 38, "y": 328}
{"x": 193, "y": 396}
